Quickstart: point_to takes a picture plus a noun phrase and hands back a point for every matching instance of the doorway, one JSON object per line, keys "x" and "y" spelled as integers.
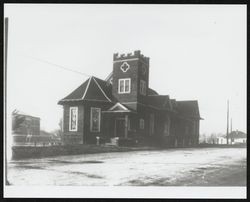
{"x": 120, "y": 127}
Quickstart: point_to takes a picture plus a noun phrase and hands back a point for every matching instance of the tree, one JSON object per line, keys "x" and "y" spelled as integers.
{"x": 17, "y": 120}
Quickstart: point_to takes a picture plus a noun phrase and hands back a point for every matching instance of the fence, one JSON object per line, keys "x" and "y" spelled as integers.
{"x": 34, "y": 140}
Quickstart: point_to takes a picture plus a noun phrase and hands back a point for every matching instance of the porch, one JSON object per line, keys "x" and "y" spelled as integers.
{"x": 117, "y": 122}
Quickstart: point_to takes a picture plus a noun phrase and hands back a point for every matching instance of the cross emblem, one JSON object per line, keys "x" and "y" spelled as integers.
{"x": 124, "y": 66}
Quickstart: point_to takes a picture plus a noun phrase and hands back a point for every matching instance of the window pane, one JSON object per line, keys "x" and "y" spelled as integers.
{"x": 144, "y": 88}
{"x": 121, "y": 84}
{"x": 73, "y": 121}
{"x": 95, "y": 122}
{"x": 141, "y": 86}
{"x": 127, "y": 86}
{"x": 152, "y": 123}
{"x": 141, "y": 123}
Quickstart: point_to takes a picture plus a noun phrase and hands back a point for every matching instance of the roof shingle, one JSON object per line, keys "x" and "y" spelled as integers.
{"x": 92, "y": 89}
{"x": 188, "y": 108}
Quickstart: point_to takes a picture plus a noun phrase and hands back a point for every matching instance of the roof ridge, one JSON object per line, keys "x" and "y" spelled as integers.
{"x": 108, "y": 77}
{"x": 187, "y": 100}
{"x": 158, "y": 95}
{"x": 101, "y": 89}
{"x": 85, "y": 92}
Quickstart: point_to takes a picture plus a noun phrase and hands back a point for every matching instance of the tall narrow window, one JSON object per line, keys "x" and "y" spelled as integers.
{"x": 124, "y": 86}
{"x": 73, "y": 118}
{"x": 186, "y": 129}
{"x": 95, "y": 119}
{"x": 151, "y": 124}
{"x": 142, "y": 87}
{"x": 141, "y": 123}
{"x": 167, "y": 126}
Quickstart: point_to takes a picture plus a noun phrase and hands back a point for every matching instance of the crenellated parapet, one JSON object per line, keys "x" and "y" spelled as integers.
{"x": 135, "y": 54}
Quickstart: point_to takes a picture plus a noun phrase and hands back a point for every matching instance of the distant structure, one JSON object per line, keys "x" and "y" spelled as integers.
{"x": 24, "y": 124}
{"x": 124, "y": 107}
{"x": 235, "y": 137}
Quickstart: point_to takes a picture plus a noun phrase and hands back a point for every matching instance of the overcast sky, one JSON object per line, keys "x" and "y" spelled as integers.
{"x": 196, "y": 52}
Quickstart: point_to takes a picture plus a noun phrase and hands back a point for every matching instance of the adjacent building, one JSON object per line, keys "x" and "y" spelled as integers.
{"x": 123, "y": 105}
{"x": 234, "y": 137}
{"x": 25, "y": 124}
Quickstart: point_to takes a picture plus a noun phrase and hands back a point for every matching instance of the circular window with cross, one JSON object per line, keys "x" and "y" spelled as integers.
{"x": 125, "y": 66}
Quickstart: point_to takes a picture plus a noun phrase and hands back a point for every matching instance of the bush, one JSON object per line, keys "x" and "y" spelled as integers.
{"x": 127, "y": 142}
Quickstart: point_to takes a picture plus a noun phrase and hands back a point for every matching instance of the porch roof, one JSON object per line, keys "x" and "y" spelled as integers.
{"x": 119, "y": 108}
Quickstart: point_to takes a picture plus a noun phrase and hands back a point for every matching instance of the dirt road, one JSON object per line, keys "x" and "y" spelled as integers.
{"x": 172, "y": 167}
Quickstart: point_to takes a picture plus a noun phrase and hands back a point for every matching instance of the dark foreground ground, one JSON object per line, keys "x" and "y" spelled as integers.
{"x": 172, "y": 167}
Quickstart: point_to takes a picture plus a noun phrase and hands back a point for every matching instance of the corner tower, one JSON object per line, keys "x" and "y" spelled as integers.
{"x": 130, "y": 78}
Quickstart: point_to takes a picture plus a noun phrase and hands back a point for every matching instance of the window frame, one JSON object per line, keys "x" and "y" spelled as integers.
{"x": 125, "y": 63}
{"x": 99, "y": 121}
{"x": 167, "y": 127}
{"x": 142, "y": 87}
{"x": 142, "y": 124}
{"x": 152, "y": 124}
{"x": 70, "y": 126}
{"x": 124, "y": 83}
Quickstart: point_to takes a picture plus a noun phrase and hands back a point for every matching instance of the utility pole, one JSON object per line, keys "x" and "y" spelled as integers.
{"x": 6, "y": 20}
{"x": 227, "y": 119}
{"x": 231, "y": 128}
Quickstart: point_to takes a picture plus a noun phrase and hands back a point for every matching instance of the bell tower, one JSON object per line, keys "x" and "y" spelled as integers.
{"x": 130, "y": 78}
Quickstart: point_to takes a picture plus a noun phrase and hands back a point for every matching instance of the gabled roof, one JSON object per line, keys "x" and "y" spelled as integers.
{"x": 159, "y": 101}
{"x": 118, "y": 107}
{"x": 93, "y": 89}
{"x": 189, "y": 108}
{"x": 237, "y": 134}
{"x": 21, "y": 113}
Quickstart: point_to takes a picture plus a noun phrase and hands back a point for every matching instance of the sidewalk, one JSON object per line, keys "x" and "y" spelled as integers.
{"x": 20, "y": 152}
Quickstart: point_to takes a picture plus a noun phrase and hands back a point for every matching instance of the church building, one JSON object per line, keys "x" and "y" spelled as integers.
{"x": 124, "y": 106}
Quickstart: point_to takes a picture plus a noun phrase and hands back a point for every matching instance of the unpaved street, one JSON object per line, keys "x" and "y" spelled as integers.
{"x": 172, "y": 167}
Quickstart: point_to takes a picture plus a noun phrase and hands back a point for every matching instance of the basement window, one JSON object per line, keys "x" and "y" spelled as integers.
{"x": 73, "y": 118}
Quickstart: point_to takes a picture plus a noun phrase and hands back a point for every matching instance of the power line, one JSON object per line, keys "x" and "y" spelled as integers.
{"x": 60, "y": 66}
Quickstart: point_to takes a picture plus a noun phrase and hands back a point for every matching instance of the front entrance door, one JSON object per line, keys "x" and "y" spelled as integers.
{"x": 120, "y": 127}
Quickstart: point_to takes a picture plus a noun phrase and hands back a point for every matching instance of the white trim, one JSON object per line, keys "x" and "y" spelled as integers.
{"x": 108, "y": 77}
{"x": 99, "y": 121}
{"x": 72, "y": 108}
{"x": 118, "y": 111}
{"x": 126, "y": 69}
{"x": 133, "y": 103}
{"x": 144, "y": 105}
{"x": 63, "y": 120}
{"x": 120, "y": 105}
{"x": 124, "y": 80}
{"x": 86, "y": 88}
{"x": 101, "y": 89}
{"x": 69, "y": 100}
{"x": 132, "y": 59}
